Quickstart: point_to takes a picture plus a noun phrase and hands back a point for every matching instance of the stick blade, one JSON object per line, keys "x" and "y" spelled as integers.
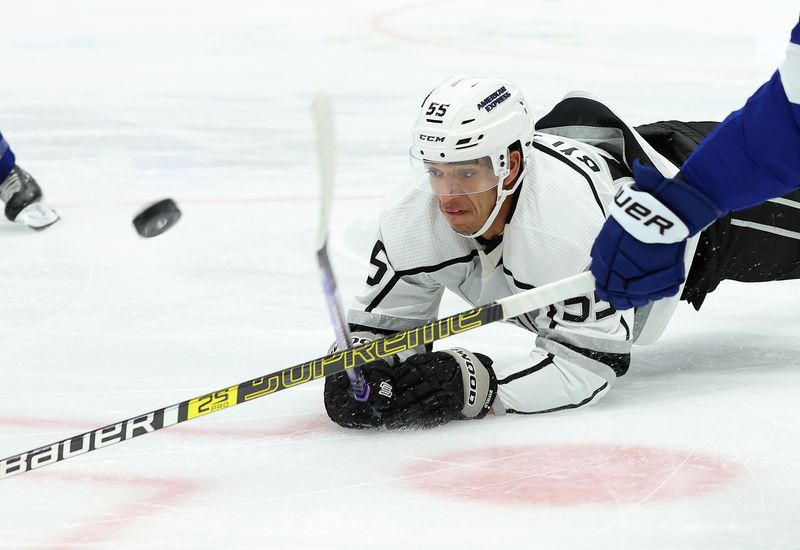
{"x": 325, "y": 133}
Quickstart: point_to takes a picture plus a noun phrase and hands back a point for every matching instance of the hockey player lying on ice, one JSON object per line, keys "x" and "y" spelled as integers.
{"x": 500, "y": 207}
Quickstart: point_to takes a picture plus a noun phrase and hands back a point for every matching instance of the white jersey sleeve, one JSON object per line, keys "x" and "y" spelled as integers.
{"x": 414, "y": 248}
{"x": 583, "y": 345}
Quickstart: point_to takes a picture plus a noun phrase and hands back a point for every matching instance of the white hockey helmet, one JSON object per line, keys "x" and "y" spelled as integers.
{"x": 465, "y": 119}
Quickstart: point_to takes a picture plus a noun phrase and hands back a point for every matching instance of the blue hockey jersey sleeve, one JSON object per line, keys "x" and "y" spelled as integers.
{"x": 6, "y": 158}
{"x": 754, "y": 154}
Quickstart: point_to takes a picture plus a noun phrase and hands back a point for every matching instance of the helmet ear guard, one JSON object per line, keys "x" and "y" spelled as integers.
{"x": 523, "y": 165}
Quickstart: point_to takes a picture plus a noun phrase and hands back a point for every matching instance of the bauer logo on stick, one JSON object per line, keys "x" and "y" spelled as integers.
{"x": 156, "y": 218}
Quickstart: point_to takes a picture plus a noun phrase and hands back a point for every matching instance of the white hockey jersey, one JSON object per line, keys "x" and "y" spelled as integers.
{"x": 583, "y": 343}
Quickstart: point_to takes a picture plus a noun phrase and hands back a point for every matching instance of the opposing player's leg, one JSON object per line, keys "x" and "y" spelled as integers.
{"x": 23, "y": 199}
{"x": 757, "y": 244}
{"x": 7, "y": 159}
{"x": 21, "y": 193}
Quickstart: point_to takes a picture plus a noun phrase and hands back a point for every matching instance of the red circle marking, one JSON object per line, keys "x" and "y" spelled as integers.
{"x": 570, "y": 474}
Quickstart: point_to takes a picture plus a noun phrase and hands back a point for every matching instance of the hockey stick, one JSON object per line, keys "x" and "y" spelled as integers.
{"x": 323, "y": 124}
{"x": 502, "y": 309}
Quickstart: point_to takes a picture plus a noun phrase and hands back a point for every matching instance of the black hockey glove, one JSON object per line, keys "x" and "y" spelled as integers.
{"x": 340, "y": 404}
{"x": 343, "y": 408}
{"x": 436, "y": 387}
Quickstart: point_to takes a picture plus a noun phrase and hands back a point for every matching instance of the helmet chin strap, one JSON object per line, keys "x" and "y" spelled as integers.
{"x": 501, "y": 196}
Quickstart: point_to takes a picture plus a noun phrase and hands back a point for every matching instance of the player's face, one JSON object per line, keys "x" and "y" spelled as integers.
{"x": 466, "y": 192}
{"x": 460, "y": 178}
{"x": 467, "y": 211}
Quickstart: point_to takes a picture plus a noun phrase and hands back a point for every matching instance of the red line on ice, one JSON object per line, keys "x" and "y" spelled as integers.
{"x": 571, "y": 474}
{"x": 166, "y": 491}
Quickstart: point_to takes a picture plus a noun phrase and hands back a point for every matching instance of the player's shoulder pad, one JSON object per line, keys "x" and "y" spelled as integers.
{"x": 559, "y": 212}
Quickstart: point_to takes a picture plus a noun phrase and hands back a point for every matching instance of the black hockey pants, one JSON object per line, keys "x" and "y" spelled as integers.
{"x": 758, "y": 244}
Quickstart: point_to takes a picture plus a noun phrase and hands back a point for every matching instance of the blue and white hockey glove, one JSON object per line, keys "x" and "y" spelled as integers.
{"x": 753, "y": 155}
{"x": 638, "y": 255}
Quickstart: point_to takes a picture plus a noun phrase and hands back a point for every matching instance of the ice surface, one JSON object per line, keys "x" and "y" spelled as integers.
{"x": 112, "y": 106}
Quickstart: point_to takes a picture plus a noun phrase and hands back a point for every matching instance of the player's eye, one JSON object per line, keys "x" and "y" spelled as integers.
{"x": 434, "y": 173}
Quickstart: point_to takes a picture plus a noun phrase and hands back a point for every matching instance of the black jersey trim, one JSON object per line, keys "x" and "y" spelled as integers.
{"x": 565, "y": 160}
{"x": 627, "y": 328}
{"x": 520, "y": 284}
{"x": 616, "y": 168}
{"x": 437, "y": 267}
{"x": 416, "y": 271}
{"x": 565, "y": 407}
{"x": 382, "y": 294}
{"x": 551, "y": 314}
{"x": 490, "y": 244}
{"x": 530, "y": 370}
{"x": 584, "y": 111}
{"x": 619, "y": 362}
{"x": 526, "y": 322}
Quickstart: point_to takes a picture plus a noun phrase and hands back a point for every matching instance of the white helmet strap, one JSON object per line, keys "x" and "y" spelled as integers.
{"x": 501, "y": 196}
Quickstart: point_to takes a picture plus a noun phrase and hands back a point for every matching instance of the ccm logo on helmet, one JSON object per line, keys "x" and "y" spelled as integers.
{"x": 435, "y": 139}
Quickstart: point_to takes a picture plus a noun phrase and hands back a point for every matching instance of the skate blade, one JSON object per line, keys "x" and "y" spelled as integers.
{"x": 37, "y": 216}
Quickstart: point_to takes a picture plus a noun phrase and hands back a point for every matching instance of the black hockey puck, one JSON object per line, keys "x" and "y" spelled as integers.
{"x": 156, "y": 218}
